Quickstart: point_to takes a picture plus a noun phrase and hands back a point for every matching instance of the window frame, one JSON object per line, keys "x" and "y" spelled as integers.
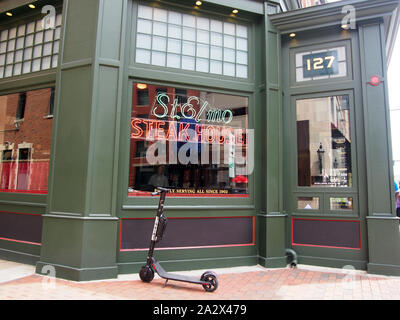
{"x": 324, "y": 193}
{"x": 321, "y": 46}
{"x": 138, "y": 202}
{"x": 145, "y": 70}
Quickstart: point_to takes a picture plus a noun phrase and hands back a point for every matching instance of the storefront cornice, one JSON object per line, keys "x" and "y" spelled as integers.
{"x": 331, "y": 14}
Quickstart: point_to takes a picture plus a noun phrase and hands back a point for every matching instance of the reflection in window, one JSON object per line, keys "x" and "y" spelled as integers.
{"x": 193, "y": 142}
{"x": 324, "y": 142}
{"x": 338, "y": 204}
{"x": 21, "y": 106}
{"x": 308, "y": 203}
{"x": 25, "y": 145}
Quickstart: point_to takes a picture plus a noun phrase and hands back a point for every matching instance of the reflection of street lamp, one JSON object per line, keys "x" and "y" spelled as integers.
{"x": 335, "y": 164}
{"x": 320, "y": 152}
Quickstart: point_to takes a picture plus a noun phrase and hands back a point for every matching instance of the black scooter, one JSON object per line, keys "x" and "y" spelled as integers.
{"x": 208, "y": 279}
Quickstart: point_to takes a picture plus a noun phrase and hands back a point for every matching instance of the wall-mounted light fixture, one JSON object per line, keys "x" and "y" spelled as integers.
{"x": 32, "y": 6}
{"x": 199, "y": 3}
{"x": 235, "y": 11}
{"x": 6, "y": 145}
{"x": 292, "y": 35}
{"x": 9, "y": 14}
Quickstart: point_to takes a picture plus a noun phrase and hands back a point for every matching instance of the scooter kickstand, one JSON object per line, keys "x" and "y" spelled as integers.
{"x": 165, "y": 284}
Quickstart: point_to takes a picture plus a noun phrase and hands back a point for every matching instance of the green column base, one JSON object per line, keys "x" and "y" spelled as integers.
{"x": 75, "y": 274}
{"x": 272, "y": 240}
{"x": 384, "y": 245}
{"x": 273, "y": 263}
{"x": 383, "y": 269}
{"x": 79, "y": 248}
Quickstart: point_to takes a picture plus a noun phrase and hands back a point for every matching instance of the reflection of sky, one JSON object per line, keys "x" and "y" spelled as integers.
{"x": 394, "y": 100}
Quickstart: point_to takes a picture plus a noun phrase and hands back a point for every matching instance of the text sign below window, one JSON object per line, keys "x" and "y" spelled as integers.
{"x": 320, "y": 64}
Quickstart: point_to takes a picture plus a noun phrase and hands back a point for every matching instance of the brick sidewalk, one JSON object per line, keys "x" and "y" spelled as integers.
{"x": 306, "y": 283}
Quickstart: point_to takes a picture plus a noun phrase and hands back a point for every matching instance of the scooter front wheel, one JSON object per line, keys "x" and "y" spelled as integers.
{"x": 146, "y": 273}
{"x": 211, "y": 279}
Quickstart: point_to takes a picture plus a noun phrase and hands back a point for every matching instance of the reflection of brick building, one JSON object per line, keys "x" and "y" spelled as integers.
{"x": 25, "y": 139}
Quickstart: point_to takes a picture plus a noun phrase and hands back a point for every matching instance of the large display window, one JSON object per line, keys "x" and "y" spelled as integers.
{"x": 25, "y": 137}
{"x": 195, "y": 142}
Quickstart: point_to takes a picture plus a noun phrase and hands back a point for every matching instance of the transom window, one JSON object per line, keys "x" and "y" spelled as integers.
{"x": 171, "y": 39}
{"x": 28, "y": 48}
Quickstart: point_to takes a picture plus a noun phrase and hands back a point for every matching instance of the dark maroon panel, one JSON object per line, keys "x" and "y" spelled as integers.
{"x": 188, "y": 232}
{"x": 21, "y": 227}
{"x": 326, "y": 233}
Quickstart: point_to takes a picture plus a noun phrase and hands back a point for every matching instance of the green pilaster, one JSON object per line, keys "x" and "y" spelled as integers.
{"x": 80, "y": 225}
{"x": 272, "y": 220}
{"x": 383, "y": 226}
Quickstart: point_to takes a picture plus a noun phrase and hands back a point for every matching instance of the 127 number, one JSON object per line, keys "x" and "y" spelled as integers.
{"x": 318, "y": 63}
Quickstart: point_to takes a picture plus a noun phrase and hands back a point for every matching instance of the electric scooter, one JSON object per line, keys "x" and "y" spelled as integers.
{"x": 208, "y": 279}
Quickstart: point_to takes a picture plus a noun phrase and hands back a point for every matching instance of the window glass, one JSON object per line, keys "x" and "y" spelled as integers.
{"x": 338, "y": 204}
{"x": 308, "y": 203}
{"x": 25, "y": 136}
{"x": 204, "y": 40}
{"x": 32, "y": 43}
{"x": 324, "y": 142}
{"x": 321, "y": 64}
{"x": 192, "y": 141}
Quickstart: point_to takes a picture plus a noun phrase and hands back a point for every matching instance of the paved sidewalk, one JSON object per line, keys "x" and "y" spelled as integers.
{"x": 18, "y": 282}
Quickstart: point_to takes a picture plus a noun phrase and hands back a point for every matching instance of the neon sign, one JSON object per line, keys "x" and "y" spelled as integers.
{"x": 151, "y": 129}
{"x": 188, "y": 111}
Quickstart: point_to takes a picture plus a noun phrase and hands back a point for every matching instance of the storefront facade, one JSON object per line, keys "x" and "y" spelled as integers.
{"x": 270, "y": 128}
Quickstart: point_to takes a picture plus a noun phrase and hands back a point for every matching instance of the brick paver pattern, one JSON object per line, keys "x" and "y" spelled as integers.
{"x": 271, "y": 284}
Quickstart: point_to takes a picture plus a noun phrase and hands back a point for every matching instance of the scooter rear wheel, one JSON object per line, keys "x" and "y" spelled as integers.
{"x": 212, "y": 280}
{"x": 146, "y": 273}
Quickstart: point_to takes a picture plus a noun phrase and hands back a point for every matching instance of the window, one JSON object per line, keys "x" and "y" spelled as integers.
{"x": 24, "y": 165}
{"x": 51, "y": 103}
{"x": 321, "y": 64}
{"x": 308, "y": 203}
{"x": 338, "y": 204}
{"x": 21, "y": 106}
{"x": 171, "y": 39}
{"x": 28, "y": 48}
{"x": 192, "y": 141}
{"x": 324, "y": 142}
{"x": 7, "y": 155}
{"x": 24, "y": 154}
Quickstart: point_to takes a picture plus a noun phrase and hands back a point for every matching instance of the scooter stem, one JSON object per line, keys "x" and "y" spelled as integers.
{"x": 156, "y": 226}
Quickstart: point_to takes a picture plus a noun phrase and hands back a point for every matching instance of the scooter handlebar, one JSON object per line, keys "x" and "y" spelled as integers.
{"x": 159, "y": 191}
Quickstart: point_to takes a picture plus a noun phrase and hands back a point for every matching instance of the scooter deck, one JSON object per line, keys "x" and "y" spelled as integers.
{"x": 176, "y": 277}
